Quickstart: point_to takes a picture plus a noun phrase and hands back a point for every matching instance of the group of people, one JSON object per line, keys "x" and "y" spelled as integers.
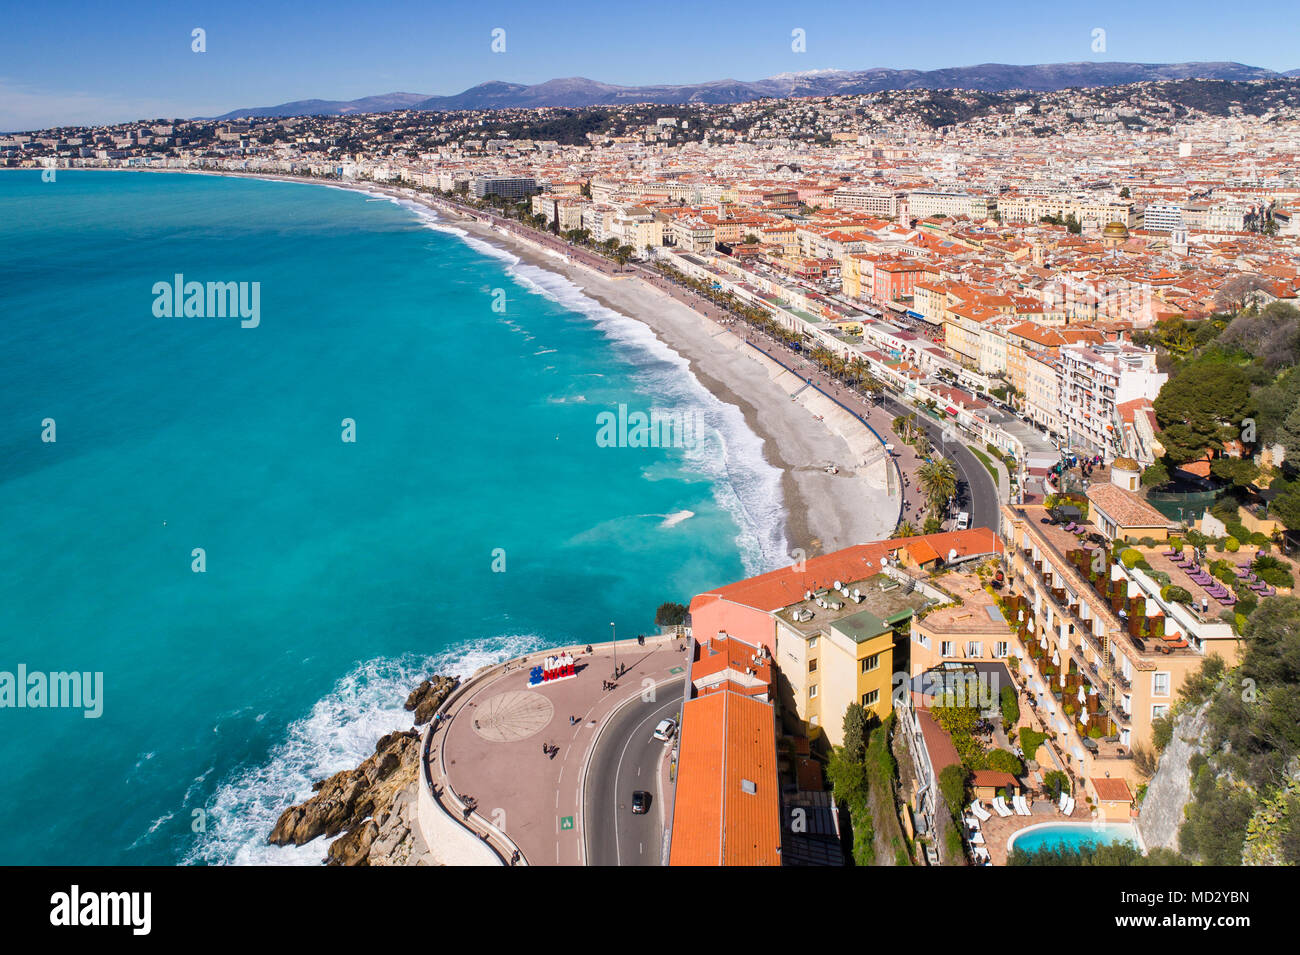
{"x": 550, "y": 750}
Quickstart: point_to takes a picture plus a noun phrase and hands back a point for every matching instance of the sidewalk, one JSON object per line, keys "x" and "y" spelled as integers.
{"x": 487, "y": 756}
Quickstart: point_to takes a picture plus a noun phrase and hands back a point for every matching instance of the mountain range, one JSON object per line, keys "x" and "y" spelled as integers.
{"x": 579, "y": 91}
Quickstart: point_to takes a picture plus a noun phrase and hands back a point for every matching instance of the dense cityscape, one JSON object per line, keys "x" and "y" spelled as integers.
{"x": 1062, "y": 326}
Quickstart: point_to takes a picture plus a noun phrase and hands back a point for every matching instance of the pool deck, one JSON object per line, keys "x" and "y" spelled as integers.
{"x": 998, "y": 831}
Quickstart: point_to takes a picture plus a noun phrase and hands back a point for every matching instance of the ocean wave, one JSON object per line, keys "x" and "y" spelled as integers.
{"x": 728, "y": 453}
{"x": 672, "y": 520}
{"x": 340, "y": 731}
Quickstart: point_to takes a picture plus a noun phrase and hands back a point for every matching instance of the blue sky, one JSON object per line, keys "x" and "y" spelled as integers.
{"x": 82, "y": 62}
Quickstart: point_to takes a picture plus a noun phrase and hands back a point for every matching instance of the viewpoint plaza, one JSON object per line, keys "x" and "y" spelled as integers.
{"x": 1091, "y": 648}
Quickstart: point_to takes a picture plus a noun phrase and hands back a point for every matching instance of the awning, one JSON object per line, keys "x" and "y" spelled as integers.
{"x": 951, "y": 410}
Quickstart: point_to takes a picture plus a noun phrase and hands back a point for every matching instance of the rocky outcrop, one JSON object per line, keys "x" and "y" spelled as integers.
{"x": 371, "y": 808}
{"x": 429, "y": 695}
{"x": 1170, "y": 789}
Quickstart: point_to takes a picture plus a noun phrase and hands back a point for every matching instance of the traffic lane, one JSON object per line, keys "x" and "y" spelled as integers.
{"x": 639, "y": 838}
{"x": 983, "y": 492}
{"x": 620, "y": 764}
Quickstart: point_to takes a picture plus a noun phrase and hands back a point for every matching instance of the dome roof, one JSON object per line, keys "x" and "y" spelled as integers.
{"x": 1117, "y": 230}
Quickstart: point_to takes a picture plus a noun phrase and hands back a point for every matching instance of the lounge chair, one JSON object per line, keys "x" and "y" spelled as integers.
{"x": 1060, "y": 803}
{"x": 1068, "y": 808}
{"x": 1022, "y": 807}
{"x": 981, "y": 855}
{"x": 1000, "y": 808}
{"x": 977, "y": 838}
{"x": 979, "y": 812}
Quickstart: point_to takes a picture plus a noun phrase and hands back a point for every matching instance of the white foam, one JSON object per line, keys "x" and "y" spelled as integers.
{"x": 672, "y": 520}
{"x": 728, "y": 452}
{"x": 340, "y": 731}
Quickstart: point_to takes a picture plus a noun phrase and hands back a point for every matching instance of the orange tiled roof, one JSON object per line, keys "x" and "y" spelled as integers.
{"x": 727, "y": 741}
{"x": 781, "y": 588}
{"x": 1111, "y": 790}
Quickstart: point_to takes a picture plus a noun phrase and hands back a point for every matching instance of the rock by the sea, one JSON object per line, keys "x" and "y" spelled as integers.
{"x": 429, "y": 695}
{"x": 372, "y": 805}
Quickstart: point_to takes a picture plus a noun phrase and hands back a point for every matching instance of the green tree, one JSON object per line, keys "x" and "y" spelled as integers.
{"x": 1155, "y": 475}
{"x": 938, "y": 482}
{"x": 1010, "y": 706}
{"x": 952, "y": 786}
{"x": 855, "y": 731}
{"x": 1005, "y": 762}
{"x": 670, "y": 615}
{"x": 1201, "y": 407}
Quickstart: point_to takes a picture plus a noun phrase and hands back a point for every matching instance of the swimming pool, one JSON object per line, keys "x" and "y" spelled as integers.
{"x": 1073, "y": 835}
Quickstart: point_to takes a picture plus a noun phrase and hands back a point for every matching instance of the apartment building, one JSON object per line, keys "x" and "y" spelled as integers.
{"x": 1102, "y": 652}
{"x": 510, "y": 187}
{"x": 836, "y": 626}
{"x": 956, "y": 205}
{"x": 1095, "y": 380}
{"x": 869, "y": 199}
{"x": 1090, "y": 211}
{"x": 1162, "y": 217}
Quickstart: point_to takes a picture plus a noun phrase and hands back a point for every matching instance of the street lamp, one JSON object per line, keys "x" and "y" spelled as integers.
{"x": 614, "y": 637}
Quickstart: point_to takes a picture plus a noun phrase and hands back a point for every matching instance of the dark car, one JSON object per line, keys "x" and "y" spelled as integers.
{"x": 640, "y": 802}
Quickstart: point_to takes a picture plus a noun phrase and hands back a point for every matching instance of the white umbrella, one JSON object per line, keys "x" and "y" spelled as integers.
{"x": 1056, "y": 659}
{"x": 1083, "y": 697}
{"x": 1083, "y": 717}
{"x": 1042, "y": 640}
{"x": 1062, "y": 676}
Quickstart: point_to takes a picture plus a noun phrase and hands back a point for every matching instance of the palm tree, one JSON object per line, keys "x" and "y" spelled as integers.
{"x": 904, "y": 529}
{"x": 938, "y": 481}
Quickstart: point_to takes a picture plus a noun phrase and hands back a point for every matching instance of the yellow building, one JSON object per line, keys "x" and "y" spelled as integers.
{"x": 827, "y": 666}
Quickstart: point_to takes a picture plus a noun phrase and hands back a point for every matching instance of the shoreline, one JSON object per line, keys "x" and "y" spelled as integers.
{"x": 800, "y": 437}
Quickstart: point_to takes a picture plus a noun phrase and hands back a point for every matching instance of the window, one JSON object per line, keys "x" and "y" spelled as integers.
{"x": 812, "y": 643}
{"x": 945, "y": 648}
{"x": 871, "y": 699}
{"x": 812, "y": 692}
{"x": 1160, "y": 684}
{"x": 974, "y": 648}
{"x": 1158, "y": 710}
{"x": 814, "y": 720}
{"x": 871, "y": 663}
{"x": 812, "y": 666}
{"x": 1000, "y": 648}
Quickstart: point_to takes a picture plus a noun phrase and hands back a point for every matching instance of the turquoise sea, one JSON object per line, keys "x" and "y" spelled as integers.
{"x": 337, "y": 574}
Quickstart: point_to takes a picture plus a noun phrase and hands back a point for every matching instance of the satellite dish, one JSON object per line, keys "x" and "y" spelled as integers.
{"x": 952, "y": 555}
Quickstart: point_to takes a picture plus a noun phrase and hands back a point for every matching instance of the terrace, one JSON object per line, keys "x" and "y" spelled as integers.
{"x": 885, "y": 597}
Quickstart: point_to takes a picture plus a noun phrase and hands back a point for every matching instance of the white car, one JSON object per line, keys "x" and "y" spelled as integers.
{"x": 665, "y": 730}
{"x": 963, "y": 521}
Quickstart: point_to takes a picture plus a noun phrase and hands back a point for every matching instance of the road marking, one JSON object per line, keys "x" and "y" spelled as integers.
{"x": 618, "y": 852}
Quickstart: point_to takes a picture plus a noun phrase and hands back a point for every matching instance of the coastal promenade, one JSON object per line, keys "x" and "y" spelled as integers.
{"x": 488, "y": 768}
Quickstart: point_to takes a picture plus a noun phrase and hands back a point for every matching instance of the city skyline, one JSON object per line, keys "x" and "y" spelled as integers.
{"x": 263, "y": 56}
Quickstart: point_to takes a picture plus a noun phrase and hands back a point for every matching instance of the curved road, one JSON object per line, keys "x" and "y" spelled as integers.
{"x": 981, "y": 499}
{"x": 628, "y": 758}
